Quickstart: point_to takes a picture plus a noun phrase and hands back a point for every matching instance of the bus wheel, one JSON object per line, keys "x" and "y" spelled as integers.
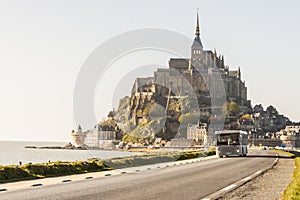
{"x": 221, "y": 156}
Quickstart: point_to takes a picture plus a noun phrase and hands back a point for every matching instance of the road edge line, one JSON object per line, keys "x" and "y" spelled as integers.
{"x": 218, "y": 194}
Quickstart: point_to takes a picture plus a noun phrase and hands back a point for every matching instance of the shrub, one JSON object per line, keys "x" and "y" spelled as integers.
{"x": 13, "y": 173}
{"x": 41, "y": 170}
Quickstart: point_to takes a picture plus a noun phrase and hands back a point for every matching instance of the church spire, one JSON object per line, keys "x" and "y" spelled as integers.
{"x": 197, "y": 27}
{"x": 197, "y": 41}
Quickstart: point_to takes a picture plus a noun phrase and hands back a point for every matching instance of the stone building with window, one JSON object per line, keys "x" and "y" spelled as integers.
{"x": 101, "y": 136}
{"x": 197, "y": 132}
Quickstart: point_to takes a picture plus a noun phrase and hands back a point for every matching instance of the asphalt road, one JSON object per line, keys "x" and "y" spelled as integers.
{"x": 189, "y": 181}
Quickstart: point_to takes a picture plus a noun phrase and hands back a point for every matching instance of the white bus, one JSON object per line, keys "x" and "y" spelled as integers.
{"x": 231, "y": 142}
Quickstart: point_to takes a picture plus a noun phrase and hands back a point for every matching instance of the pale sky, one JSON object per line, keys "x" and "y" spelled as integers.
{"x": 43, "y": 45}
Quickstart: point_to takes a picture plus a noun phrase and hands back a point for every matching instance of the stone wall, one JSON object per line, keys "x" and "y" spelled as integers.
{"x": 264, "y": 142}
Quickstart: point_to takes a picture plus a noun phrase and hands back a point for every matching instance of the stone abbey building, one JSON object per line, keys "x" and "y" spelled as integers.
{"x": 203, "y": 76}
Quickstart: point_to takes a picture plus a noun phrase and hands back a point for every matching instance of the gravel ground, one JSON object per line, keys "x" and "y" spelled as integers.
{"x": 268, "y": 186}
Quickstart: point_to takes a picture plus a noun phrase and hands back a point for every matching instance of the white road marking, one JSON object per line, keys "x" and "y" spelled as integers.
{"x": 229, "y": 187}
{"x": 247, "y": 178}
{"x": 258, "y": 172}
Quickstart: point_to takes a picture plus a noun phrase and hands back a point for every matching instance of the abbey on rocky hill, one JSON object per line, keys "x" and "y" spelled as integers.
{"x": 204, "y": 77}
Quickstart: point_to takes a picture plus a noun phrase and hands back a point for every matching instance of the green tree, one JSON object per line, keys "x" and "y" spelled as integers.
{"x": 272, "y": 111}
{"x": 234, "y": 108}
{"x": 128, "y": 138}
{"x": 192, "y": 118}
{"x": 174, "y": 106}
{"x": 246, "y": 117}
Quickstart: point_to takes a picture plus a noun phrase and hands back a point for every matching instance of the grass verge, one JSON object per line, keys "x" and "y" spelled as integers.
{"x": 285, "y": 153}
{"x": 292, "y": 192}
{"x": 52, "y": 169}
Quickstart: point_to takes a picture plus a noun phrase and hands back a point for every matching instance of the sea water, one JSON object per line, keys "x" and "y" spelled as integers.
{"x": 13, "y": 152}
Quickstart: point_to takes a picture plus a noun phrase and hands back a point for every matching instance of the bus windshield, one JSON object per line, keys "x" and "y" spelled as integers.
{"x": 228, "y": 139}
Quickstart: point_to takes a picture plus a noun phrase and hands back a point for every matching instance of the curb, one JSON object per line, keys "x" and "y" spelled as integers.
{"x": 233, "y": 186}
